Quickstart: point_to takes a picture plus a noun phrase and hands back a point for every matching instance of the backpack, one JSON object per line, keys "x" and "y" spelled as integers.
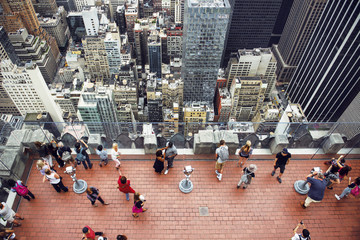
{"x": 355, "y": 191}
{"x": 66, "y": 155}
{"x": 79, "y": 156}
{"x": 223, "y": 153}
{"x": 21, "y": 190}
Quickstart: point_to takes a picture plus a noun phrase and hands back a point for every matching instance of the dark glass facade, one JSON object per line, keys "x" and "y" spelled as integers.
{"x": 328, "y": 77}
{"x": 251, "y": 25}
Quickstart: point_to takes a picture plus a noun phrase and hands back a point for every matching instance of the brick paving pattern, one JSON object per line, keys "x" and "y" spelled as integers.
{"x": 266, "y": 210}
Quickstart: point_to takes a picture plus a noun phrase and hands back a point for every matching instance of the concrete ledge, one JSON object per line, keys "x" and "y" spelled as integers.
{"x": 10, "y": 202}
{"x": 257, "y": 151}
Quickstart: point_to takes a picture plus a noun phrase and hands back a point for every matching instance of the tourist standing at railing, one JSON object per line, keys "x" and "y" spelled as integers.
{"x": 344, "y": 172}
{"x": 81, "y": 155}
{"x": 55, "y": 180}
{"x": 44, "y": 153}
{"x": 21, "y": 189}
{"x": 103, "y": 154}
{"x": 332, "y": 176}
{"x": 7, "y": 214}
{"x": 65, "y": 154}
{"x": 282, "y": 159}
{"x": 245, "y": 153}
{"x": 170, "y": 154}
{"x": 221, "y": 156}
{"x": 116, "y": 155}
{"x": 53, "y": 150}
{"x": 159, "y": 161}
{"x": 41, "y": 165}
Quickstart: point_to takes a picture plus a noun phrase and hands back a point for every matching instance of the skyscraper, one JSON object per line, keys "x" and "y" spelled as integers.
{"x": 154, "y": 46}
{"x": 205, "y": 26}
{"x": 251, "y": 63}
{"x": 57, "y": 27}
{"x": 298, "y": 29}
{"x": 45, "y": 8}
{"x": 96, "y": 58}
{"x": 251, "y": 25}
{"x": 21, "y": 14}
{"x": 28, "y": 90}
{"x": 32, "y": 48}
{"x": 69, "y": 5}
{"x": 96, "y": 108}
{"x": 112, "y": 48}
{"x": 248, "y": 95}
{"x": 328, "y": 78}
{"x": 7, "y": 51}
{"x": 280, "y": 22}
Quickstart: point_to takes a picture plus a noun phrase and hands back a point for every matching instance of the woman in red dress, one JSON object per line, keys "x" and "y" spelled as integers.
{"x": 124, "y": 186}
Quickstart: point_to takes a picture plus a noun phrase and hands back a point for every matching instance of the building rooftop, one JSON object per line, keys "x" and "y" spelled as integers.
{"x": 209, "y": 3}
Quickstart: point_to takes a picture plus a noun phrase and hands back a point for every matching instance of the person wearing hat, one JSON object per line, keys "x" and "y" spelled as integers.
{"x": 281, "y": 160}
{"x": 249, "y": 173}
{"x": 245, "y": 153}
{"x": 317, "y": 188}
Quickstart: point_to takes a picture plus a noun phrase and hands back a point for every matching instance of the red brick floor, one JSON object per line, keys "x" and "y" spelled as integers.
{"x": 266, "y": 210}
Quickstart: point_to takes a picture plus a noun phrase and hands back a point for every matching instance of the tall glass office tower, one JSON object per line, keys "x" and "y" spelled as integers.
{"x": 328, "y": 75}
{"x": 205, "y": 26}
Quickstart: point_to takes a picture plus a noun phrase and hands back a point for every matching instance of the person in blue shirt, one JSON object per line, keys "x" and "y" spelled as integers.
{"x": 317, "y": 188}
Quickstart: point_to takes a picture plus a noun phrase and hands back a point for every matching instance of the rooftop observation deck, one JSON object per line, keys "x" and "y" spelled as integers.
{"x": 266, "y": 210}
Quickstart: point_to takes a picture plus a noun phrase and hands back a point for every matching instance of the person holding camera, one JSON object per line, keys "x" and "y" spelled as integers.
{"x": 317, "y": 188}
{"x": 305, "y": 233}
{"x": 81, "y": 155}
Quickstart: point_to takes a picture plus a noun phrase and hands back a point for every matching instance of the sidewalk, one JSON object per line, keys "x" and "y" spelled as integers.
{"x": 266, "y": 210}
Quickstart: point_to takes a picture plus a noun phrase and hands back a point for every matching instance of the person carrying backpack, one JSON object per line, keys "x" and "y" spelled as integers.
{"x": 20, "y": 188}
{"x": 81, "y": 155}
{"x": 221, "y": 156}
{"x": 353, "y": 188}
{"x": 249, "y": 173}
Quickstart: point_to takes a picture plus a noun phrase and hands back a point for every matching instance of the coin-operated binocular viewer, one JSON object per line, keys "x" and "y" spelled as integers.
{"x": 186, "y": 185}
{"x": 80, "y": 185}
